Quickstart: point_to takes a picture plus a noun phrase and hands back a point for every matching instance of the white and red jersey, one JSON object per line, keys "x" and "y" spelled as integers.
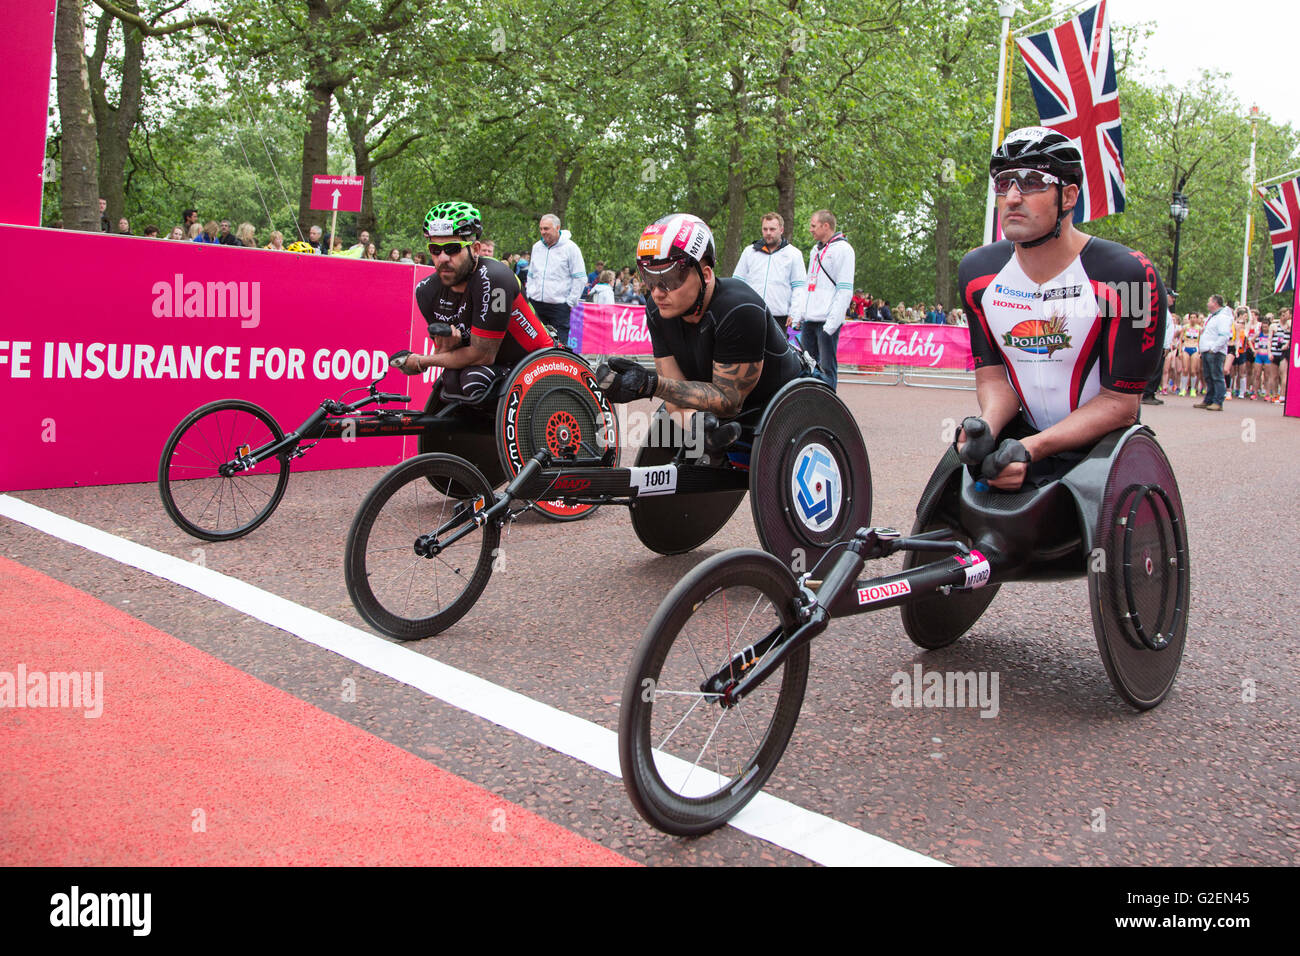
{"x": 1099, "y": 324}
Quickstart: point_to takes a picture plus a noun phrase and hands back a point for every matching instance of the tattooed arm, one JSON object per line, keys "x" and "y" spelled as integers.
{"x": 724, "y": 396}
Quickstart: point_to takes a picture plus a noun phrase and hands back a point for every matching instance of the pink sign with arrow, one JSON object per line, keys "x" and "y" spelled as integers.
{"x": 337, "y": 193}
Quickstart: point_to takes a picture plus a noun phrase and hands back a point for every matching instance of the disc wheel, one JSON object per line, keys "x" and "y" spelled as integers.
{"x": 675, "y": 524}
{"x": 1139, "y": 581}
{"x": 552, "y": 401}
{"x": 400, "y": 581}
{"x": 690, "y": 763}
{"x": 937, "y": 620}
{"x": 197, "y": 496}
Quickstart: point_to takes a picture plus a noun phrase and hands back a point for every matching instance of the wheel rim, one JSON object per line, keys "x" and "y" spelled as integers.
{"x": 208, "y": 503}
{"x": 405, "y": 593}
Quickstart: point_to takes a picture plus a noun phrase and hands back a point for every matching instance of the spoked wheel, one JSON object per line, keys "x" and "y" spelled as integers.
{"x": 689, "y": 762}
{"x": 204, "y": 488}
{"x": 401, "y": 575}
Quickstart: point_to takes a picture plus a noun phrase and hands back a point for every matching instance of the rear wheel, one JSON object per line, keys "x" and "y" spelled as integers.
{"x": 689, "y": 762}
{"x": 401, "y": 575}
{"x": 202, "y": 488}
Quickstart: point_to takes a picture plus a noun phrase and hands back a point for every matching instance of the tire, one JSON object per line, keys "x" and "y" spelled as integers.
{"x": 205, "y": 503}
{"x": 397, "y": 591}
{"x": 729, "y": 601}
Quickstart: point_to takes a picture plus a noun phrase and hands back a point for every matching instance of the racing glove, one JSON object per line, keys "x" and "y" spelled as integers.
{"x": 623, "y": 380}
{"x": 398, "y": 360}
{"x": 1009, "y": 451}
{"x": 980, "y": 442}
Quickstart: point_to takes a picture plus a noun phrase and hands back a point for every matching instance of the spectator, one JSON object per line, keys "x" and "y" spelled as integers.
{"x": 556, "y": 276}
{"x": 178, "y": 232}
{"x": 406, "y": 257}
{"x": 871, "y": 309}
{"x": 316, "y": 239}
{"x": 831, "y": 264}
{"x": 123, "y": 227}
{"x": 208, "y": 233}
{"x": 371, "y": 252}
{"x": 190, "y": 217}
{"x": 521, "y": 268}
{"x": 337, "y": 248}
{"x": 602, "y": 293}
{"x": 394, "y": 254}
{"x": 151, "y": 232}
{"x": 103, "y": 215}
{"x": 277, "y": 241}
{"x": 593, "y": 278}
{"x": 884, "y": 315}
{"x": 857, "y": 305}
{"x": 419, "y": 258}
{"x": 487, "y": 249}
{"x": 225, "y": 238}
{"x": 774, "y": 269}
{"x": 194, "y": 231}
{"x": 246, "y": 235}
{"x": 1214, "y": 350}
{"x": 359, "y": 248}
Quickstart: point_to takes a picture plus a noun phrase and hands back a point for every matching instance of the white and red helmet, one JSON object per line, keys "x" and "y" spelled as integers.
{"x": 677, "y": 236}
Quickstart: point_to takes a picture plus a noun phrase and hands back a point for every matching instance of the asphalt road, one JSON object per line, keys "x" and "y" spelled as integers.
{"x": 1066, "y": 773}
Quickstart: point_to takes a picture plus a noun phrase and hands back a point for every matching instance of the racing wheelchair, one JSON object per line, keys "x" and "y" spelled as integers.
{"x": 422, "y": 546}
{"x": 225, "y": 467}
{"x": 715, "y": 687}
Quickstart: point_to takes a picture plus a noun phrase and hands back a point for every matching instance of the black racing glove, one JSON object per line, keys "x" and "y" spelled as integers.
{"x": 980, "y": 442}
{"x": 398, "y": 361}
{"x": 1009, "y": 451}
{"x": 623, "y": 380}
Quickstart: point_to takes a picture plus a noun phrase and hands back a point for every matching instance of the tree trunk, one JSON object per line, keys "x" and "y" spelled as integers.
{"x": 315, "y": 156}
{"x": 735, "y": 204}
{"x": 80, "y": 178}
{"x": 114, "y": 126}
{"x": 943, "y": 288}
{"x": 784, "y": 154}
{"x": 562, "y": 187}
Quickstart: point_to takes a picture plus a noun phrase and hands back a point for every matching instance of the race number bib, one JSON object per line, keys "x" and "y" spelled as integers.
{"x": 654, "y": 480}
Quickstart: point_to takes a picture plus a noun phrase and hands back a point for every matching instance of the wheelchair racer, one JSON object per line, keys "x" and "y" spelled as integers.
{"x": 492, "y": 325}
{"x": 1065, "y": 328}
{"x": 717, "y": 348}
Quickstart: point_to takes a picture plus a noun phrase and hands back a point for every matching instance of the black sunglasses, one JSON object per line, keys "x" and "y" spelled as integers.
{"x": 450, "y": 248}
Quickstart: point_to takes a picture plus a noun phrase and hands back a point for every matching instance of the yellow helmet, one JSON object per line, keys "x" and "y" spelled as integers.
{"x": 300, "y": 246}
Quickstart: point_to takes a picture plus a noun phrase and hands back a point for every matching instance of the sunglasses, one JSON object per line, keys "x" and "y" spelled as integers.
{"x": 667, "y": 277}
{"x": 450, "y": 248}
{"x": 1026, "y": 180}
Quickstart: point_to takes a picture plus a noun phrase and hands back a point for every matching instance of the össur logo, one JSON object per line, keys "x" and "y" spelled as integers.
{"x": 1008, "y": 291}
{"x": 1038, "y": 336}
{"x": 883, "y": 592}
{"x": 1064, "y": 292}
{"x": 816, "y": 487}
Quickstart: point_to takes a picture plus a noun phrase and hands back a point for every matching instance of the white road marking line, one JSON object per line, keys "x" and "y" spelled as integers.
{"x": 809, "y": 834}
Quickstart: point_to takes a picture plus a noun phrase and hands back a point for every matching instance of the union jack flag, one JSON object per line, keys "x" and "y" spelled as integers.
{"x": 1282, "y": 207}
{"x": 1072, "y": 73}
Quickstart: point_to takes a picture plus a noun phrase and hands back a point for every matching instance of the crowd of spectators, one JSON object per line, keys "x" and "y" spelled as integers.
{"x": 864, "y": 307}
{"x": 1255, "y": 347}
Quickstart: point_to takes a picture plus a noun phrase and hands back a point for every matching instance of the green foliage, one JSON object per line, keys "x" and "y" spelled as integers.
{"x": 615, "y": 112}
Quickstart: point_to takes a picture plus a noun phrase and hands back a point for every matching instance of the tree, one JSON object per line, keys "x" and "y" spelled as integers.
{"x": 80, "y": 189}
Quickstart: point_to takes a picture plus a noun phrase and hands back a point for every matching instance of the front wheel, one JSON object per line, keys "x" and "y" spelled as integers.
{"x": 204, "y": 486}
{"x": 690, "y": 763}
{"x": 403, "y": 576}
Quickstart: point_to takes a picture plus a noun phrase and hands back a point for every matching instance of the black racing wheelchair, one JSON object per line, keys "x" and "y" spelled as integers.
{"x": 225, "y": 466}
{"x": 713, "y": 693}
{"x": 423, "y": 544}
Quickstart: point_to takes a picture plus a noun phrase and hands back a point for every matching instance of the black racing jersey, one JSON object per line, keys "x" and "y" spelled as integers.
{"x": 736, "y": 328}
{"x": 492, "y": 306}
{"x": 1099, "y": 324}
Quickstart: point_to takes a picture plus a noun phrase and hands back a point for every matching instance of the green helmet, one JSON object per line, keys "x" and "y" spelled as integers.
{"x": 453, "y": 219}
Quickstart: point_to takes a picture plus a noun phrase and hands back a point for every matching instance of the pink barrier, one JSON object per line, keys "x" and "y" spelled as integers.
{"x": 884, "y": 343}
{"x": 609, "y": 329}
{"x": 109, "y": 341}
{"x": 25, "y": 46}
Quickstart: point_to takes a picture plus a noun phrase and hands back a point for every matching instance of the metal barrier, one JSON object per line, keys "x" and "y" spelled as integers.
{"x": 944, "y": 377}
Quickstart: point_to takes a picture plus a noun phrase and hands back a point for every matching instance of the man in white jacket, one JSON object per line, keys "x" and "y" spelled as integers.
{"x": 831, "y": 263}
{"x": 774, "y": 269}
{"x": 556, "y": 276}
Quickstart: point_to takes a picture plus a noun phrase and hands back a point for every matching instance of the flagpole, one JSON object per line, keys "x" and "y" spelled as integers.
{"x": 1276, "y": 179}
{"x": 1250, "y": 206}
{"x": 1006, "y": 9}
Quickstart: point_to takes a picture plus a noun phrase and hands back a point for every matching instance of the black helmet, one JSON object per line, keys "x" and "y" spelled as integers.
{"x": 1037, "y": 147}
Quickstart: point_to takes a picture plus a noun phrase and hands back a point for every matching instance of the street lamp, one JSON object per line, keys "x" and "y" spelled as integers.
{"x": 1178, "y": 210}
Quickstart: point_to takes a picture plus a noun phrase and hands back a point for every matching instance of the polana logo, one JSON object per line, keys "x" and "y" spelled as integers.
{"x": 816, "y": 487}
{"x": 1038, "y": 336}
